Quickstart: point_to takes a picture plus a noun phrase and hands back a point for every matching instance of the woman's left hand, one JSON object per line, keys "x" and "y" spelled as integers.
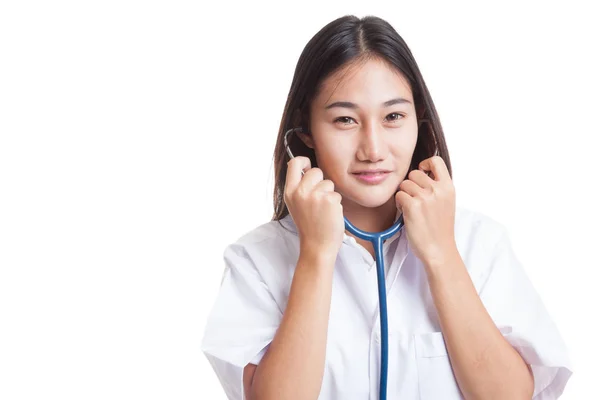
{"x": 428, "y": 206}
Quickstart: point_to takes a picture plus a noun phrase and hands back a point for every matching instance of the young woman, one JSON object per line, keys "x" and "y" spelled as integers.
{"x": 297, "y": 316}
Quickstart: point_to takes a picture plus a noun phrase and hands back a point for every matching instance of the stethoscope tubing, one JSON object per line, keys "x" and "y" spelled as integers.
{"x": 377, "y": 240}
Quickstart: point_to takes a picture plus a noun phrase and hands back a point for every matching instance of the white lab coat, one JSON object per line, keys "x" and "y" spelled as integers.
{"x": 259, "y": 268}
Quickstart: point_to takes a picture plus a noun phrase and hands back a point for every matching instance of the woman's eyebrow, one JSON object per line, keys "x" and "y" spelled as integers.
{"x": 348, "y": 104}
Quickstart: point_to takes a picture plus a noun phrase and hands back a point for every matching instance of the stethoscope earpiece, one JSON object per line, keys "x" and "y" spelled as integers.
{"x": 285, "y": 140}
{"x": 286, "y": 143}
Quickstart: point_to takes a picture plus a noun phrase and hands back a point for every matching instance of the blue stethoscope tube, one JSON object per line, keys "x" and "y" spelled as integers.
{"x": 377, "y": 240}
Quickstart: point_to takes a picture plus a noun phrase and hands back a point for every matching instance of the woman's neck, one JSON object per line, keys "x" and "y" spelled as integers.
{"x": 371, "y": 219}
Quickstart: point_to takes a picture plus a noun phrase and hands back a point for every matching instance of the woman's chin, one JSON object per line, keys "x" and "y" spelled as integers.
{"x": 373, "y": 199}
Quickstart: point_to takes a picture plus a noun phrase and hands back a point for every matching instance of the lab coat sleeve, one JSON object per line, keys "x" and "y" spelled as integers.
{"x": 242, "y": 322}
{"x": 517, "y": 309}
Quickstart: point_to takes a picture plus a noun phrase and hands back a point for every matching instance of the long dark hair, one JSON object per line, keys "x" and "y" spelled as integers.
{"x": 344, "y": 40}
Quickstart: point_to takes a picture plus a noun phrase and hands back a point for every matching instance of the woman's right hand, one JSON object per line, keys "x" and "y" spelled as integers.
{"x": 315, "y": 208}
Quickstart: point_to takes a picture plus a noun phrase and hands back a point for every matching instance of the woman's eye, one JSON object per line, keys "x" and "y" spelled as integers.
{"x": 349, "y": 120}
{"x": 394, "y": 117}
{"x": 344, "y": 120}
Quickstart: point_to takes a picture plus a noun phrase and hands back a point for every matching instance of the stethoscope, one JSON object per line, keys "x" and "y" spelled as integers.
{"x": 377, "y": 240}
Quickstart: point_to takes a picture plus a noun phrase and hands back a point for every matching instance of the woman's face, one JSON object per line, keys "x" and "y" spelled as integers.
{"x": 364, "y": 120}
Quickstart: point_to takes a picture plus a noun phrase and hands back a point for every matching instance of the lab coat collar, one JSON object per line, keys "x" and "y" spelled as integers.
{"x": 349, "y": 240}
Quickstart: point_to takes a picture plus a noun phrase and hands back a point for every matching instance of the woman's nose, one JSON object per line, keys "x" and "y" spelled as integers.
{"x": 372, "y": 145}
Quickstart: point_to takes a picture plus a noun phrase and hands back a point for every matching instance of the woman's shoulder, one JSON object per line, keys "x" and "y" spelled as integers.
{"x": 265, "y": 254}
{"x": 474, "y": 226}
{"x": 479, "y": 237}
{"x": 267, "y": 233}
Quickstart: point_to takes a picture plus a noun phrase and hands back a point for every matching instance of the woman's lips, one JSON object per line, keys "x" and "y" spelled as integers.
{"x": 372, "y": 178}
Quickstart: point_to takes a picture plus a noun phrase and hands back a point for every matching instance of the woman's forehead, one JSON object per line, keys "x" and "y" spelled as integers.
{"x": 373, "y": 76}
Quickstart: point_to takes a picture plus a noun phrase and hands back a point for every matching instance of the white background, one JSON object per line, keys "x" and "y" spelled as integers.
{"x": 136, "y": 143}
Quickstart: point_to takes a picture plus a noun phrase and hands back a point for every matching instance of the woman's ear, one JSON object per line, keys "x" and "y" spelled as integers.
{"x": 307, "y": 139}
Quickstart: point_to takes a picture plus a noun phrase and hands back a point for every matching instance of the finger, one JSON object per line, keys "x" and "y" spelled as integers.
{"x": 335, "y": 197}
{"x": 411, "y": 188}
{"x": 402, "y": 200}
{"x": 310, "y": 179}
{"x": 325, "y": 186}
{"x": 437, "y": 166}
{"x": 421, "y": 179}
{"x": 294, "y": 174}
